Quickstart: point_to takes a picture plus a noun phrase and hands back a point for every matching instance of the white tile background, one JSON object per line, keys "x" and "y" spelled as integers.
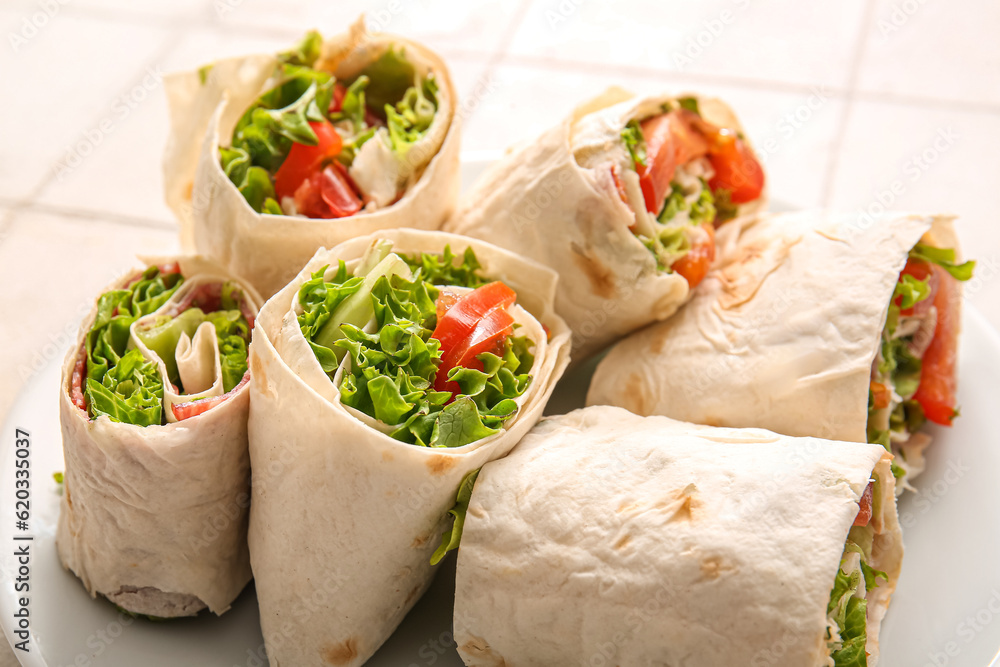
{"x": 843, "y": 98}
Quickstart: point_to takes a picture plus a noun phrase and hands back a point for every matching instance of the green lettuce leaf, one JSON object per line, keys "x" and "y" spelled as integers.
{"x": 233, "y": 334}
{"x": 689, "y": 103}
{"x": 453, "y": 536}
{"x": 130, "y": 392}
{"x": 392, "y": 370}
{"x": 164, "y": 333}
{"x": 701, "y": 210}
{"x": 945, "y": 258}
{"x": 635, "y": 143}
{"x": 390, "y": 75}
{"x": 409, "y": 120}
{"x": 306, "y": 52}
{"x": 107, "y": 340}
{"x": 353, "y": 106}
{"x": 444, "y": 270}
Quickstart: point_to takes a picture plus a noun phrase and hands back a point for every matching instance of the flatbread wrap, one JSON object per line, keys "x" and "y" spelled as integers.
{"x": 390, "y": 368}
{"x": 837, "y": 325}
{"x": 273, "y": 156}
{"x": 621, "y": 199}
{"x": 153, "y": 406}
{"x": 609, "y": 538}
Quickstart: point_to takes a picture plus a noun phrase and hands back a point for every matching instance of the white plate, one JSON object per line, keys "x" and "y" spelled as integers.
{"x": 946, "y": 610}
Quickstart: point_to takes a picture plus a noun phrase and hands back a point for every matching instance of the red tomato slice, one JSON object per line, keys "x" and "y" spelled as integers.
{"x": 736, "y": 168}
{"x": 920, "y": 270}
{"x": 190, "y": 409}
{"x": 880, "y": 394}
{"x": 695, "y": 264}
{"x": 445, "y": 301}
{"x": 865, "y": 506}
{"x": 477, "y": 322}
{"x": 337, "y": 190}
{"x": 488, "y": 336}
{"x": 303, "y": 160}
{"x": 671, "y": 140}
{"x": 936, "y": 393}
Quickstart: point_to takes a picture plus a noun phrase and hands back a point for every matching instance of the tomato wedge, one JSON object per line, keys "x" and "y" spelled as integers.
{"x": 695, "y": 264}
{"x": 477, "y": 322}
{"x": 328, "y": 194}
{"x": 736, "y": 168}
{"x": 920, "y": 270}
{"x": 671, "y": 141}
{"x": 936, "y": 392}
{"x": 194, "y": 408}
{"x": 304, "y": 160}
{"x": 337, "y": 190}
{"x": 865, "y": 506}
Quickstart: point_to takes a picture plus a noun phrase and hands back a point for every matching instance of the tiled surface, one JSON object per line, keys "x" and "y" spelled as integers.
{"x": 837, "y": 96}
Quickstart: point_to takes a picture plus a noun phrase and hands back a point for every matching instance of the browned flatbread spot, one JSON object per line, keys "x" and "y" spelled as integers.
{"x": 419, "y": 541}
{"x": 634, "y": 398}
{"x": 341, "y": 653}
{"x": 713, "y": 566}
{"x": 387, "y": 456}
{"x": 439, "y": 464}
{"x": 684, "y": 503}
{"x": 602, "y": 280}
{"x": 257, "y": 371}
{"x": 189, "y": 190}
{"x": 623, "y": 541}
{"x": 480, "y": 649}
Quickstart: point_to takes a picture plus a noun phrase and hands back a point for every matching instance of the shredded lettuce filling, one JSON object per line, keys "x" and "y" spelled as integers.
{"x": 898, "y": 364}
{"x": 387, "y": 98}
{"x": 847, "y": 611}
{"x": 382, "y": 319}
{"x": 689, "y": 204}
{"x": 121, "y": 383}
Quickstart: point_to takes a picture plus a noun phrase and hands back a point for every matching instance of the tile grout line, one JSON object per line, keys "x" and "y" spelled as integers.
{"x": 107, "y": 216}
{"x": 499, "y": 53}
{"x": 833, "y": 162}
{"x": 499, "y": 56}
{"x": 30, "y": 200}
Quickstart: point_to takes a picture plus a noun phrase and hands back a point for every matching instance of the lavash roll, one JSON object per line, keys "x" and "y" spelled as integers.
{"x": 344, "y": 519}
{"x": 268, "y": 250}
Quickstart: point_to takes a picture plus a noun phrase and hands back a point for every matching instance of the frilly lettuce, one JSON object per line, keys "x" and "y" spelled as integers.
{"x": 392, "y": 370}
{"x": 125, "y": 395}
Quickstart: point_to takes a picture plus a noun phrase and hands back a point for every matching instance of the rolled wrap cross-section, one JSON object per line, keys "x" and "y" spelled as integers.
{"x": 344, "y": 517}
{"x": 792, "y": 332}
{"x": 156, "y": 497}
{"x": 574, "y": 201}
{"x": 268, "y": 250}
{"x": 608, "y": 538}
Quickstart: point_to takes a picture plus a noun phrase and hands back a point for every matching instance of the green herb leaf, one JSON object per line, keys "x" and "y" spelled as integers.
{"x": 451, "y": 539}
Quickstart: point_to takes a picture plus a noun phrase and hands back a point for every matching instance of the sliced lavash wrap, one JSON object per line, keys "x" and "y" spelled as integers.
{"x": 542, "y": 201}
{"x": 784, "y": 332}
{"x": 154, "y": 517}
{"x": 268, "y": 250}
{"x": 344, "y": 518}
{"x": 613, "y": 539}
